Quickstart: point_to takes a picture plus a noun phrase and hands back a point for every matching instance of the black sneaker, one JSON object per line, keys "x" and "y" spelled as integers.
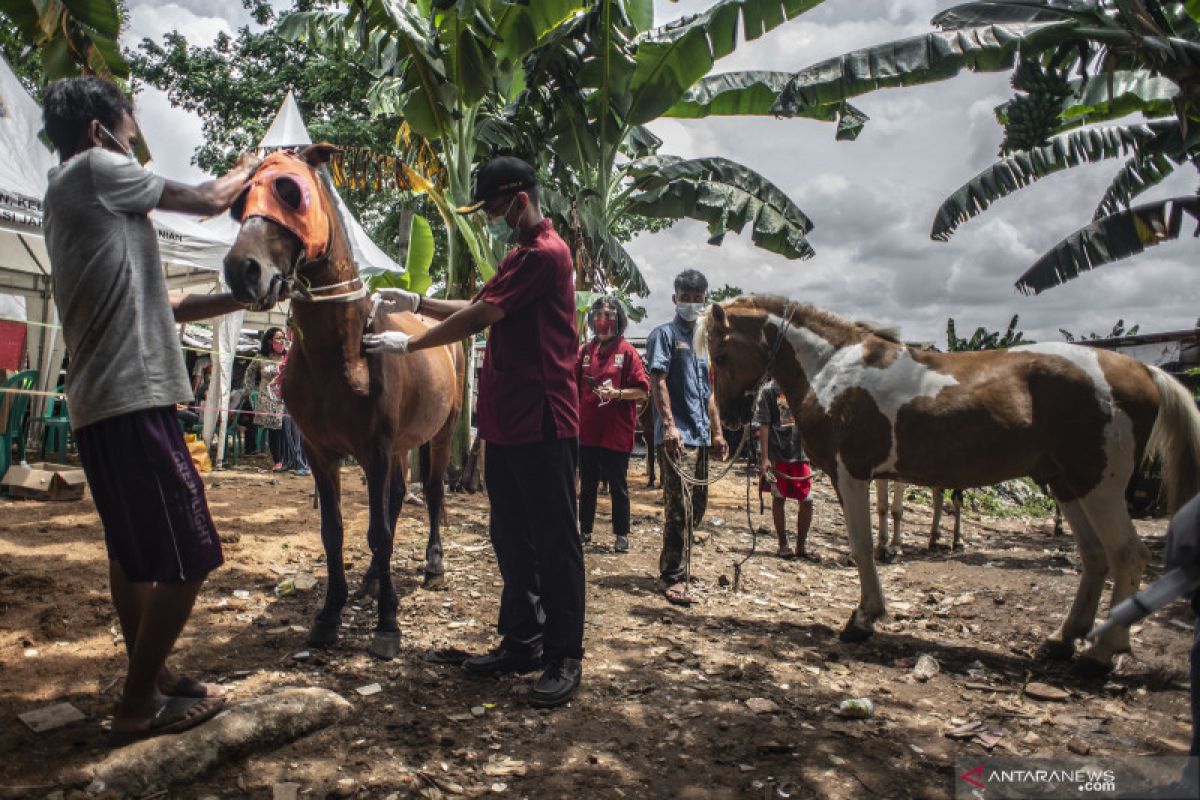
{"x": 557, "y": 683}
{"x": 502, "y": 662}
{"x": 622, "y": 544}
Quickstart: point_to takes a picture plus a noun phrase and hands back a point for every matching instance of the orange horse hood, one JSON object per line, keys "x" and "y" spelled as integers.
{"x": 284, "y": 191}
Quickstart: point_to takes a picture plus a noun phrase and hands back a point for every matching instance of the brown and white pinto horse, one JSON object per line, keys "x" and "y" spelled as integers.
{"x": 373, "y": 407}
{"x": 1075, "y": 418}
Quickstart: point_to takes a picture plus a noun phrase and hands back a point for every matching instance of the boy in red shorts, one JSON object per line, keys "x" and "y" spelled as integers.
{"x": 784, "y": 468}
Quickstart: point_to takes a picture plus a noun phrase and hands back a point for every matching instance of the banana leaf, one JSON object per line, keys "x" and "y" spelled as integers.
{"x": 1110, "y": 239}
{"x": 724, "y": 194}
{"x": 971, "y": 15}
{"x": 1155, "y": 161}
{"x": 673, "y": 57}
{"x": 1017, "y": 171}
{"x": 926, "y": 58}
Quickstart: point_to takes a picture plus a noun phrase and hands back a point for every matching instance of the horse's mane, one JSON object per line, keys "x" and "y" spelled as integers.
{"x": 778, "y": 305}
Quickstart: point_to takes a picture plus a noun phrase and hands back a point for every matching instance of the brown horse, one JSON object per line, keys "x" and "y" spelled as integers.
{"x": 375, "y": 408}
{"x": 1075, "y": 418}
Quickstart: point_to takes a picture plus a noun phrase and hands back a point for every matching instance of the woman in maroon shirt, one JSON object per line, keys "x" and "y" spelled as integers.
{"x": 611, "y": 382}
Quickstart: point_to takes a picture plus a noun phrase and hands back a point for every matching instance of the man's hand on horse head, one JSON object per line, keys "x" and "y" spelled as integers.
{"x": 397, "y": 300}
{"x": 387, "y": 342}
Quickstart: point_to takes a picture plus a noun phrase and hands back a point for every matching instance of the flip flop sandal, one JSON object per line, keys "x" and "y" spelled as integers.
{"x": 785, "y": 553}
{"x": 811, "y": 558}
{"x": 172, "y": 717}
{"x": 677, "y": 595}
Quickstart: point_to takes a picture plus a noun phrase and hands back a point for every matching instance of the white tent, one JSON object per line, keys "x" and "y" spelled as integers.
{"x": 289, "y": 131}
{"x": 192, "y": 250}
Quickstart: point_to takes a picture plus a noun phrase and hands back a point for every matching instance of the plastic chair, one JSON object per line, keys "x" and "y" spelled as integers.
{"x": 13, "y": 391}
{"x": 233, "y": 443}
{"x": 56, "y": 428}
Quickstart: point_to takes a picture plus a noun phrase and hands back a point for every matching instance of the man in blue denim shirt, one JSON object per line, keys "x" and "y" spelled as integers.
{"x": 686, "y": 423}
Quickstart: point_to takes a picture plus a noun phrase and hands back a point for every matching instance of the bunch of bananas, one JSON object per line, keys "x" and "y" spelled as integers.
{"x": 1031, "y": 117}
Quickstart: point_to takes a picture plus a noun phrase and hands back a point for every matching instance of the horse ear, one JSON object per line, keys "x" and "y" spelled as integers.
{"x": 317, "y": 154}
{"x": 718, "y": 316}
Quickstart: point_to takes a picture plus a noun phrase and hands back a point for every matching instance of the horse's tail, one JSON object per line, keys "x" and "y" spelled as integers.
{"x": 1175, "y": 439}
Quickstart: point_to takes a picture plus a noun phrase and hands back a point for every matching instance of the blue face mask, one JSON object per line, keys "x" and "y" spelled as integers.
{"x": 688, "y": 312}
{"x": 499, "y": 229}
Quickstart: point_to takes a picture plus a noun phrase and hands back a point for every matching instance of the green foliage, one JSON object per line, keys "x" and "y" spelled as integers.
{"x": 1020, "y": 497}
{"x": 983, "y": 339}
{"x": 236, "y": 86}
{"x": 726, "y": 292}
{"x": 1118, "y": 330}
{"x": 70, "y": 37}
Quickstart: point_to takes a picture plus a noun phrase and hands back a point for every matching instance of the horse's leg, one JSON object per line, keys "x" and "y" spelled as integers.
{"x": 1058, "y": 519}
{"x": 881, "y": 513}
{"x": 381, "y": 471}
{"x": 1127, "y": 558}
{"x": 435, "y": 460}
{"x": 328, "y": 478}
{"x": 856, "y": 506}
{"x": 935, "y": 528}
{"x": 895, "y": 548}
{"x": 1060, "y": 645}
{"x": 956, "y": 498}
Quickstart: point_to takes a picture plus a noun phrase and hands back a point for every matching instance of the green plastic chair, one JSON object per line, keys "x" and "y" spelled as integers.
{"x": 260, "y": 433}
{"x": 56, "y": 428}
{"x": 13, "y": 431}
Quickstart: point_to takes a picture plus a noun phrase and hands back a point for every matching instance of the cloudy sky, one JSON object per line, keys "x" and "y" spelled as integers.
{"x": 872, "y": 200}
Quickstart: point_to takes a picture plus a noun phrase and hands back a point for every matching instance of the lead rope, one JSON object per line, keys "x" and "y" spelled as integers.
{"x": 688, "y": 482}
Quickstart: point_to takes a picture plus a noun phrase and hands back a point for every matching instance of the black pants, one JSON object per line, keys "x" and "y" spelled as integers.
{"x": 534, "y": 530}
{"x": 277, "y": 441}
{"x": 596, "y": 464}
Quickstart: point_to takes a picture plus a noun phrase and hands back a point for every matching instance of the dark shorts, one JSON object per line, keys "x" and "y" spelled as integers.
{"x": 149, "y": 497}
{"x": 793, "y": 479}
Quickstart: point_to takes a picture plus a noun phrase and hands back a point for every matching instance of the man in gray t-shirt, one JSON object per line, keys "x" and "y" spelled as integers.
{"x": 125, "y": 377}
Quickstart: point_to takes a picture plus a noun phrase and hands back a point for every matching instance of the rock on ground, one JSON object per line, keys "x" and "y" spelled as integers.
{"x": 262, "y": 723}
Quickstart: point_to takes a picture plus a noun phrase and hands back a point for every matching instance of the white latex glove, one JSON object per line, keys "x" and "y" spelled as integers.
{"x": 388, "y": 342}
{"x": 397, "y": 300}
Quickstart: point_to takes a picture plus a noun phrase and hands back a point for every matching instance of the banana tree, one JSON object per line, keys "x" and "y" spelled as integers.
{"x": 1131, "y": 56}
{"x": 72, "y": 36}
{"x": 592, "y": 87}
{"x": 444, "y": 66}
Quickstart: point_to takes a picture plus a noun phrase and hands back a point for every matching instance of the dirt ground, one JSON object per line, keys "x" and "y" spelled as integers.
{"x": 735, "y": 697}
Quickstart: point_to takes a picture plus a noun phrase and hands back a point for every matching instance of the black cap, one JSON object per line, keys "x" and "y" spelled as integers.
{"x": 498, "y": 177}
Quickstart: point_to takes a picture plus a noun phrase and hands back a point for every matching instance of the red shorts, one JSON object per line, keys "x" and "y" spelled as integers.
{"x": 792, "y": 479}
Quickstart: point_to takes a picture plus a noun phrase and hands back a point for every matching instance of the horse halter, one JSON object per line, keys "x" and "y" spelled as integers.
{"x": 283, "y": 191}
{"x": 772, "y": 355}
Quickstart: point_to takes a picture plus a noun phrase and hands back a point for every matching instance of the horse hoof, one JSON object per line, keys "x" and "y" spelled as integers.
{"x": 385, "y": 645}
{"x": 1056, "y": 650}
{"x": 855, "y": 633}
{"x": 369, "y": 588}
{"x": 322, "y": 633}
{"x": 434, "y": 581}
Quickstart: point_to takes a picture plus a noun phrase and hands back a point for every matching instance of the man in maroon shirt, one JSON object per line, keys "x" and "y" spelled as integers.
{"x": 528, "y": 413}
